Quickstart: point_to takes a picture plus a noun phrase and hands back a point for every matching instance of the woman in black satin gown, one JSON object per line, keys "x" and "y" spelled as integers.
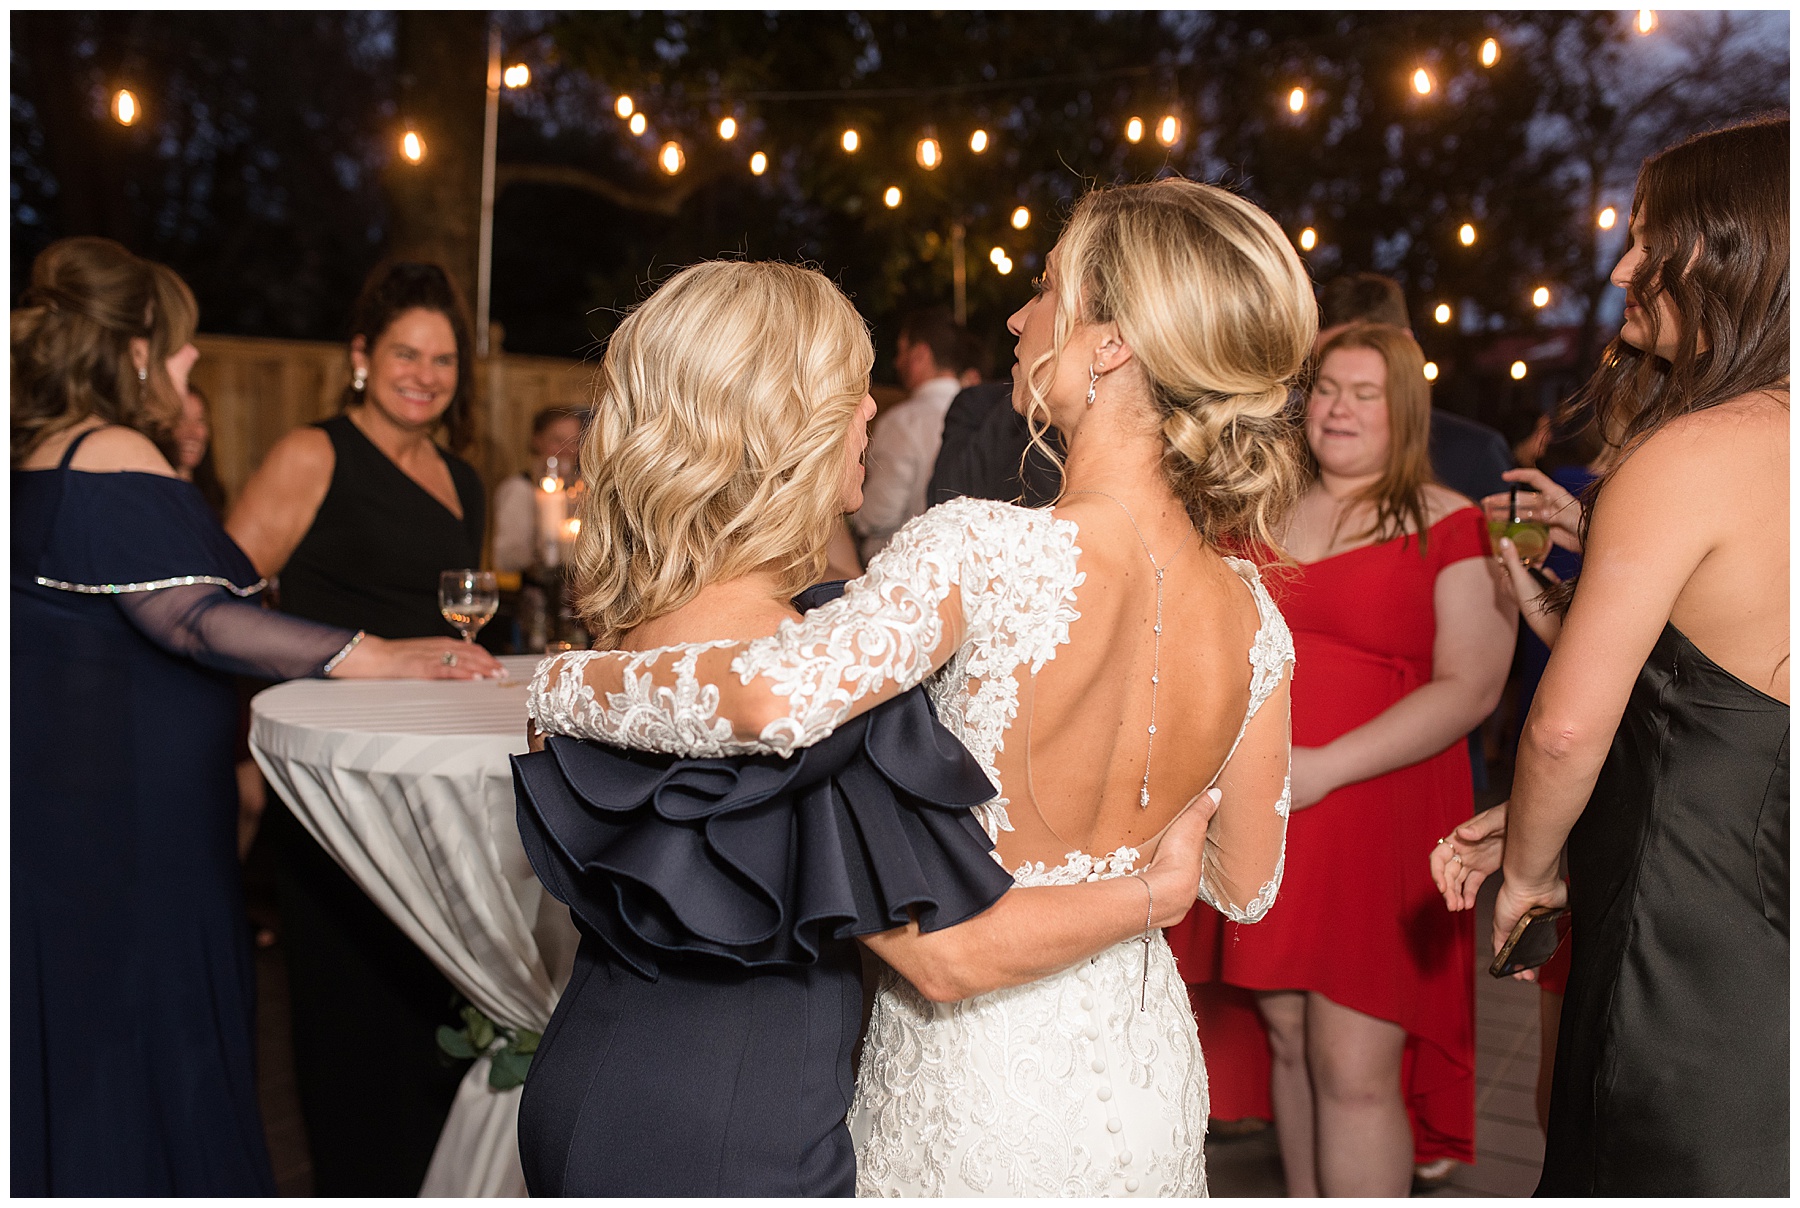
{"x": 703, "y": 1046}
{"x": 1658, "y": 743}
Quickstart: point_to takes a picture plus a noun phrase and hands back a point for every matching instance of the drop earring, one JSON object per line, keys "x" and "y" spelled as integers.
{"x": 359, "y": 379}
{"x": 143, "y": 375}
{"x": 1093, "y": 384}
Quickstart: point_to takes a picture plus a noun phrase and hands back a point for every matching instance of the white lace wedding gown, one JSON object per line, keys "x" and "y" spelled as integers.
{"x": 1086, "y": 1083}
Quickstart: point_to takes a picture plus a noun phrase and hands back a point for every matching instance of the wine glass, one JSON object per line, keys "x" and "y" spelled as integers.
{"x": 467, "y": 598}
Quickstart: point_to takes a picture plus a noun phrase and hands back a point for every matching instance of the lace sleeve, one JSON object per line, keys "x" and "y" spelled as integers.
{"x": 1246, "y": 844}
{"x": 949, "y": 576}
{"x": 208, "y": 624}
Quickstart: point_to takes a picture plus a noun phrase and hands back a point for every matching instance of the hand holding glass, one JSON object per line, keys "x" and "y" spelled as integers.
{"x": 467, "y": 598}
{"x": 1518, "y": 516}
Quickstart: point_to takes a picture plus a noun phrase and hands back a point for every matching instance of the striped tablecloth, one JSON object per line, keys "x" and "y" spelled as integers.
{"x": 407, "y": 785}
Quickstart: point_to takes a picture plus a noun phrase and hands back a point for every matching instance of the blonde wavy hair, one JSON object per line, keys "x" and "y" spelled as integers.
{"x": 718, "y": 439}
{"x": 1220, "y": 317}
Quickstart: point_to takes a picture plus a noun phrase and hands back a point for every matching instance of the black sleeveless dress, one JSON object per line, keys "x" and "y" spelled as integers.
{"x": 366, "y": 1003}
{"x": 1672, "y": 1061}
{"x": 703, "y": 1045}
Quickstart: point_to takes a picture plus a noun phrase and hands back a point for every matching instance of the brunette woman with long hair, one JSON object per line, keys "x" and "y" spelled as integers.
{"x": 1657, "y": 747}
{"x": 133, "y": 989}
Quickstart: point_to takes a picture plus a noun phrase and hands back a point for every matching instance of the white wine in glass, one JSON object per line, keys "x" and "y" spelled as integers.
{"x": 468, "y": 598}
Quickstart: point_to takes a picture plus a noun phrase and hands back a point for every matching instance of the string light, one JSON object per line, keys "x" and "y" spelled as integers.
{"x": 1168, "y": 130}
{"x": 1021, "y": 218}
{"x": 412, "y": 146}
{"x": 759, "y": 163}
{"x": 1646, "y": 20}
{"x": 1431, "y": 371}
{"x": 1005, "y": 266}
{"x": 1608, "y": 218}
{"x": 1309, "y": 239}
{"x": 1466, "y": 234}
{"x": 1490, "y": 53}
{"x": 516, "y": 76}
{"x": 929, "y": 154}
{"x": 1443, "y": 313}
{"x": 1540, "y": 297}
{"x": 978, "y": 141}
{"x": 624, "y": 107}
{"x": 996, "y": 255}
{"x": 891, "y": 198}
{"x": 671, "y": 158}
{"x": 125, "y": 107}
{"x": 1134, "y": 130}
{"x": 1517, "y": 371}
{"x": 851, "y": 141}
{"x": 728, "y": 128}
{"x": 1296, "y": 100}
{"x": 639, "y": 123}
{"x": 1422, "y": 82}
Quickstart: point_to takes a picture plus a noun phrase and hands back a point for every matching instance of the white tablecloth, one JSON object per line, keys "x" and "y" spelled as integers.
{"x": 406, "y": 784}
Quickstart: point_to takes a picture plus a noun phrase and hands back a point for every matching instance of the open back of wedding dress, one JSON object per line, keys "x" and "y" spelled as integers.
{"x": 1085, "y": 1083}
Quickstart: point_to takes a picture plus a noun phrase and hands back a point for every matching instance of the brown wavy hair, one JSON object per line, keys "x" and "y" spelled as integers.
{"x": 1398, "y": 496}
{"x": 1219, "y": 313}
{"x": 1714, "y": 210}
{"x": 71, "y": 343}
{"x": 390, "y": 291}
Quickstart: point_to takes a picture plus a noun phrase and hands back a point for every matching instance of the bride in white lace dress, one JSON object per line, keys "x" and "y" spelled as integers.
{"x": 1104, "y": 661}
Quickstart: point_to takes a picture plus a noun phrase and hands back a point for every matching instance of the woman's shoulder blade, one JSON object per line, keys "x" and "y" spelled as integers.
{"x": 115, "y": 449}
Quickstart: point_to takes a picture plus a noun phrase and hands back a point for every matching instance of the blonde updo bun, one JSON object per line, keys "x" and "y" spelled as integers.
{"x": 717, "y": 443}
{"x": 1220, "y": 316}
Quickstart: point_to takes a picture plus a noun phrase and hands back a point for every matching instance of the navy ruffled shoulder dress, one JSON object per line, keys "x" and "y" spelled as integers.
{"x": 703, "y": 1046}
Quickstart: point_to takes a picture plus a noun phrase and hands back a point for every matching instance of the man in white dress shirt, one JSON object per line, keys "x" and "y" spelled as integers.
{"x": 903, "y": 444}
{"x": 555, "y": 433}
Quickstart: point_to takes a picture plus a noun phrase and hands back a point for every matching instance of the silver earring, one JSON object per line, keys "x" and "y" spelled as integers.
{"x": 143, "y": 375}
{"x": 359, "y": 379}
{"x": 1093, "y": 384}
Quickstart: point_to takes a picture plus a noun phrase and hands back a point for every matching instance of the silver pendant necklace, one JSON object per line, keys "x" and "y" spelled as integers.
{"x": 1156, "y": 632}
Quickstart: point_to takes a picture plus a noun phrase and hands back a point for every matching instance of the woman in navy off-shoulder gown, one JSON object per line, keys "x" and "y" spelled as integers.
{"x": 133, "y": 988}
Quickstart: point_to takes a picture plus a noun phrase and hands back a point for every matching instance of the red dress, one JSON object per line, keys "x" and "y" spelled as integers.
{"x": 1358, "y": 919}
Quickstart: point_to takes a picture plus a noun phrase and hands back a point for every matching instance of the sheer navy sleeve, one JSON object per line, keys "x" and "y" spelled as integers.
{"x": 206, "y": 623}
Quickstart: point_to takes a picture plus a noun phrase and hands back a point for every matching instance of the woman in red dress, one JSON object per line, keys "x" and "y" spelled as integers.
{"x": 1366, "y": 984}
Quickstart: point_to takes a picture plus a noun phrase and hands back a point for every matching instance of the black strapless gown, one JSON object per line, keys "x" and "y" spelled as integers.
{"x": 703, "y": 1046}
{"x": 1672, "y": 1061}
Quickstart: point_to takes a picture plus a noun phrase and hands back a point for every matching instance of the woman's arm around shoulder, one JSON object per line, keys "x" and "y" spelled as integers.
{"x": 278, "y": 504}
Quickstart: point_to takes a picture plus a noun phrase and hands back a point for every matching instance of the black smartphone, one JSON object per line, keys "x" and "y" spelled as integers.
{"x": 1534, "y": 940}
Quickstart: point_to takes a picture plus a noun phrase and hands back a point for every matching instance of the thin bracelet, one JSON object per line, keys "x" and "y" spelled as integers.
{"x": 1149, "y": 913}
{"x": 332, "y": 663}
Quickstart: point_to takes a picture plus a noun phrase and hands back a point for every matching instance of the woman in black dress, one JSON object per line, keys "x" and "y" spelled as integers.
{"x": 1657, "y": 747}
{"x": 133, "y": 988}
{"x": 357, "y": 516}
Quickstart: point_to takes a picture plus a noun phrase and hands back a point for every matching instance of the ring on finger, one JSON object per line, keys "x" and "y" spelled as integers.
{"x": 448, "y": 658}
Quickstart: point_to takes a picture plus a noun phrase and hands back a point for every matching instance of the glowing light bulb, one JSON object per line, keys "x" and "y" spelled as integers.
{"x": 1490, "y": 52}
{"x": 624, "y": 106}
{"x": 1021, "y": 218}
{"x": 1609, "y": 217}
{"x": 930, "y": 155}
{"x": 1540, "y": 297}
{"x": 728, "y": 128}
{"x": 412, "y": 147}
{"x": 1168, "y": 130}
{"x": 1517, "y": 371}
{"x": 759, "y": 163}
{"x": 851, "y": 140}
{"x": 978, "y": 141}
{"x": 1431, "y": 371}
{"x": 671, "y": 158}
{"x": 516, "y": 76}
{"x": 891, "y": 198}
{"x": 1134, "y": 130}
{"x": 550, "y": 485}
{"x": 996, "y": 255}
{"x": 1297, "y": 100}
{"x": 1309, "y": 239}
{"x": 639, "y": 123}
{"x": 125, "y": 107}
{"x": 1422, "y": 82}
{"x": 1465, "y": 234}
{"x": 1646, "y": 20}
{"x": 1005, "y": 266}
{"x": 1443, "y": 312}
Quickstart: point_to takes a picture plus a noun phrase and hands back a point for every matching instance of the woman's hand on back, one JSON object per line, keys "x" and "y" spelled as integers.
{"x": 1173, "y": 874}
{"x": 418, "y": 658}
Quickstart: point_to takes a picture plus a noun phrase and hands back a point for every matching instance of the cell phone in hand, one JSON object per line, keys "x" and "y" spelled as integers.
{"x": 1534, "y": 940}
